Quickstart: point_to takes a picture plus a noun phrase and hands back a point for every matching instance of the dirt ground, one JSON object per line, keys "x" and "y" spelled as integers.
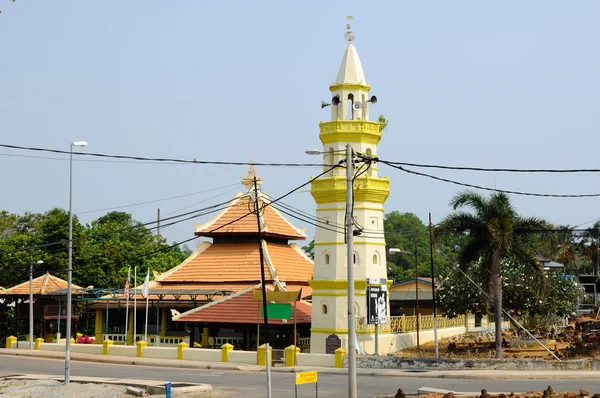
{"x": 580, "y": 339}
{"x": 548, "y": 393}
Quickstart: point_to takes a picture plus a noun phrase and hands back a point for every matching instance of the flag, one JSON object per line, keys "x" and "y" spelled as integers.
{"x": 145, "y": 285}
{"x": 126, "y": 292}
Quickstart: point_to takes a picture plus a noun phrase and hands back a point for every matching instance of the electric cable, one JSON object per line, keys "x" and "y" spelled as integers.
{"x": 161, "y": 160}
{"x": 492, "y": 189}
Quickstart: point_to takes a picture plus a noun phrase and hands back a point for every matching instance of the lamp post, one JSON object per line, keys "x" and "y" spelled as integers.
{"x": 70, "y": 266}
{"x": 31, "y": 300}
{"x": 352, "y": 389}
{"x": 396, "y": 250}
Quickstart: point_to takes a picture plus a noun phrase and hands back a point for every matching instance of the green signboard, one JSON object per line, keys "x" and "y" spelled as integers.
{"x": 277, "y": 311}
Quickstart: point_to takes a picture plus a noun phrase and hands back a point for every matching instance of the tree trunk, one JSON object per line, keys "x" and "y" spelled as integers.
{"x": 497, "y": 283}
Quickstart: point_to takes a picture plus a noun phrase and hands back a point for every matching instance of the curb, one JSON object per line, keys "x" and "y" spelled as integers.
{"x": 407, "y": 373}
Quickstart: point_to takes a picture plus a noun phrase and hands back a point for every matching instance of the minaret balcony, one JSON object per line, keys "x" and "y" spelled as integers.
{"x": 362, "y": 131}
{"x": 366, "y": 189}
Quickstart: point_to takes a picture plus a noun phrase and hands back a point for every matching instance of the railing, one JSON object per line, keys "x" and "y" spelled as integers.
{"x": 117, "y": 338}
{"x": 219, "y": 341}
{"x": 304, "y": 344}
{"x": 164, "y": 341}
{"x": 403, "y": 324}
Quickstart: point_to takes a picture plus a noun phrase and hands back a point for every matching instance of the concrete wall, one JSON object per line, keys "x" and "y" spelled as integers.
{"x": 122, "y": 350}
{"x": 160, "y": 352}
{"x": 248, "y": 357}
{"x": 203, "y": 354}
{"x": 327, "y": 360}
{"x": 57, "y": 347}
{"x": 84, "y": 348}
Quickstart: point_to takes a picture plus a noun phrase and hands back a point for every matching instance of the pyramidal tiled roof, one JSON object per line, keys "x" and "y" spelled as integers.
{"x": 240, "y": 262}
{"x": 238, "y": 219}
{"x": 240, "y": 307}
{"x": 42, "y": 285}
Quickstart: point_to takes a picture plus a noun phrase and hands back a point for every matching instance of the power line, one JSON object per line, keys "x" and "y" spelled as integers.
{"x": 594, "y": 195}
{"x": 157, "y": 200}
{"x": 485, "y": 169}
{"x": 162, "y": 160}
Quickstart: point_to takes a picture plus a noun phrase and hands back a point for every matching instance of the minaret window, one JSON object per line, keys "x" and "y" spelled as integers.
{"x": 324, "y": 309}
{"x": 326, "y": 258}
{"x": 355, "y": 258}
{"x": 371, "y": 172}
{"x": 350, "y": 107}
{"x": 375, "y": 259}
{"x": 331, "y": 158}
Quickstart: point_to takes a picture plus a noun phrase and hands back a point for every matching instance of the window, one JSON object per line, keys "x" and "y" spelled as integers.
{"x": 375, "y": 259}
{"x": 326, "y": 257}
{"x": 324, "y": 309}
{"x": 350, "y": 106}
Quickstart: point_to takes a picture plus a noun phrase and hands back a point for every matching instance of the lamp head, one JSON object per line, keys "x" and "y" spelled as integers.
{"x": 40, "y": 262}
{"x": 79, "y": 143}
{"x": 312, "y": 152}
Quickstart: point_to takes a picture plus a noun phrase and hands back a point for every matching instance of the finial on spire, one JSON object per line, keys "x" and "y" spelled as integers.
{"x": 349, "y": 36}
{"x": 248, "y": 181}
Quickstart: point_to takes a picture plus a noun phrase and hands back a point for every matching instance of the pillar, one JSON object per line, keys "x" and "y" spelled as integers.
{"x": 140, "y": 347}
{"x": 205, "y": 336}
{"x": 225, "y": 348}
{"x": 99, "y": 326}
{"x": 339, "y": 357}
{"x": 180, "y": 347}
{"x": 38, "y": 343}
{"x": 106, "y": 346}
{"x": 290, "y": 355}
{"x": 130, "y": 328}
{"x": 10, "y": 341}
{"x": 262, "y": 355}
{"x": 163, "y": 322}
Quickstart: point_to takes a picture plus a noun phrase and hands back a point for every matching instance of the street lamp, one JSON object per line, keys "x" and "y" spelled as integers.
{"x": 352, "y": 390}
{"x": 70, "y": 266}
{"x": 31, "y": 300}
{"x": 396, "y": 250}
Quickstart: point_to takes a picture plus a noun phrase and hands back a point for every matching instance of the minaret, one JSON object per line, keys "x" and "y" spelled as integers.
{"x": 349, "y": 124}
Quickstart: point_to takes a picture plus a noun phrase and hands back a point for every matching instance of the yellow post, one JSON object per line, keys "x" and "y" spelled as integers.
{"x": 180, "y": 347}
{"x": 205, "y": 336}
{"x": 262, "y": 355}
{"x": 10, "y": 340}
{"x": 38, "y": 343}
{"x": 290, "y": 355}
{"x": 163, "y": 322}
{"x": 225, "y": 348}
{"x": 130, "y": 328}
{"x": 140, "y": 347}
{"x": 339, "y": 357}
{"x": 98, "y": 328}
{"x": 106, "y": 346}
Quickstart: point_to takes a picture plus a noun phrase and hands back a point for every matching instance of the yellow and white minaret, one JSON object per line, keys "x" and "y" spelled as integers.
{"x": 349, "y": 124}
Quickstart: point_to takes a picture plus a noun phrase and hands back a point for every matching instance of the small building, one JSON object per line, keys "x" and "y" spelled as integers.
{"x": 227, "y": 262}
{"x": 49, "y": 309}
{"x": 403, "y": 297}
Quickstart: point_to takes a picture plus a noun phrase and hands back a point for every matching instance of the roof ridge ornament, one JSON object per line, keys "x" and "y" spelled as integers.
{"x": 349, "y": 36}
{"x": 248, "y": 181}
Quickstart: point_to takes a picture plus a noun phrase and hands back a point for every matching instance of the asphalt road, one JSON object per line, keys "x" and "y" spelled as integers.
{"x": 252, "y": 384}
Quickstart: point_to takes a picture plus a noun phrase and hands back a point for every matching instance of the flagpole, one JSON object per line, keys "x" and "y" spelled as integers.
{"x": 127, "y": 310}
{"x": 146, "y": 324}
{"x": 134, "y": 304}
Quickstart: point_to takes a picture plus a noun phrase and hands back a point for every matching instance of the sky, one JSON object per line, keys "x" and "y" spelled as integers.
{"x": 507, "y": 84}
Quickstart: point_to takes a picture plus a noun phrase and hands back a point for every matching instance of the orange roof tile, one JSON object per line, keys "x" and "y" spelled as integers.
{"x": 240, "y": 308}
{"x": 240, "y": 262}
{"x": 42, "y": 285}
{"x": 238, "y": 219}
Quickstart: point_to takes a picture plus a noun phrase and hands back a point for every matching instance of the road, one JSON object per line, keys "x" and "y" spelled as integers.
{"x": 252, "y": 384}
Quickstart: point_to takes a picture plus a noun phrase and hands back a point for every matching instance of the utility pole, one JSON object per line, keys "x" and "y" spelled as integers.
{"x": 264, "y": 290}
{"x": 417, "y": 291}
{"x": 435, "y": 339}
{"x": 352, "y": 390}
{"x": 31, "y": 302}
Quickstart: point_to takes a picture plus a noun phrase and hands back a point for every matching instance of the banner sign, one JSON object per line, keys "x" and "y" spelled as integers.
{"x": 376, "y": 304}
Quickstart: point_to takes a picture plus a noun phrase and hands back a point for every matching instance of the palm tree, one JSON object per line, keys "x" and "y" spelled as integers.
{"x": 591, "y": 236}
{"x": 493, "y": 230}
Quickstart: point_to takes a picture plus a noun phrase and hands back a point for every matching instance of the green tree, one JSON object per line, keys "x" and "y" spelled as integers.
{"x": 591, "y": 237}
{"x": 384, "y": 122}
{"x": 309, "y": 249}
{"x": 493, "y": 231}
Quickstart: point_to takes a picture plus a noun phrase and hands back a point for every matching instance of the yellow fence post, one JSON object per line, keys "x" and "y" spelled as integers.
{"x": 10, "y": 340}
{"x": 262, "y": 355}
{"x": 140, "y": 347}
{"x": 225, "y": 348}
{"x": 290, "y": 355}
{"x": 38, "y": 343}
{"x": 180, "y": 347}
{"x": 106, "y": 346}
{"x": 339, "y": 357}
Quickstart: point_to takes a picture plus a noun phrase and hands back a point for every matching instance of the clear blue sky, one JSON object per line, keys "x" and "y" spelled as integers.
{"x": 504, "y": 84}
